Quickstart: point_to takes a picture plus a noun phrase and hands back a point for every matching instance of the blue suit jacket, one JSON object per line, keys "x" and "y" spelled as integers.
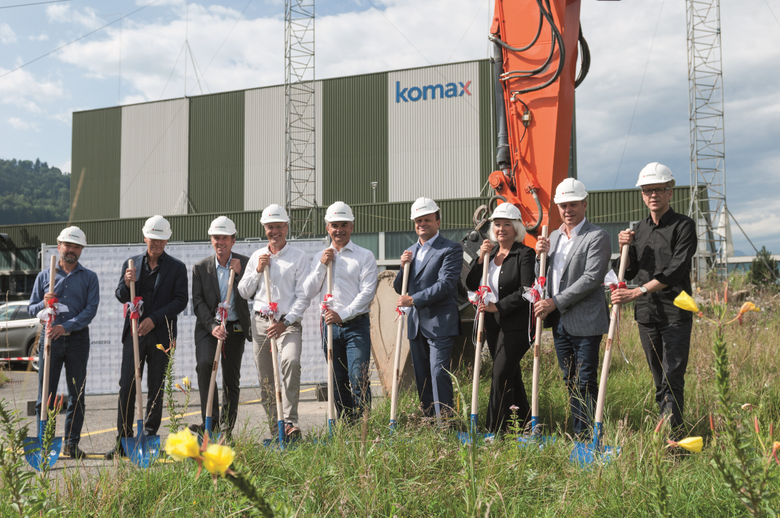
{"x": 170, "y": 296}
{"x": 434, "y": 288}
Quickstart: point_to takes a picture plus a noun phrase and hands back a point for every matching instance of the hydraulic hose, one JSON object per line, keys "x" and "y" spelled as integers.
{"x": 503, "y": 156}
{"x": 533, "y": 228}
{"x": 496, "y": 39}
{"x": 585, "y": 53}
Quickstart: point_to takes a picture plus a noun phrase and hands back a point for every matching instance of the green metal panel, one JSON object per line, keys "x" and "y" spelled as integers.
{"x": 354, "y": 139}
{"x": 627, "y": 204}
{"x": 96, "y": 153}
{"x": 216, "y": 155}
{"x": 488, "y": 133}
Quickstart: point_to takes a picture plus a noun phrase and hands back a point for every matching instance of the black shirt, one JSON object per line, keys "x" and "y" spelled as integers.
{"x": 145, "y": 285}
{"x": 662, "y": 252}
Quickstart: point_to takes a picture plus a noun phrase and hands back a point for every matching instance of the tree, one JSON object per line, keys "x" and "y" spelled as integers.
{"x": 764, "y": 271}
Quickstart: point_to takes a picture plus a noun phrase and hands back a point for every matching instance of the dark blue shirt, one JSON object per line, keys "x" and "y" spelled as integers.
{"x": 78, "y": 291}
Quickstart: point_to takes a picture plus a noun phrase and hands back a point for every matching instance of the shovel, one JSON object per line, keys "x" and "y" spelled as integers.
{"x": 536, "y": 436}
{"x": 397, "y": 354}
{"x": 34, "y": 451}
{"x": 586, "y": 454}
{"x": 275, "y": 360}
{"x": 331, "y": 400}
{"x": 142, "y": 449}
{"x": 208, "y": 425}
{"x": 466, "y": 437}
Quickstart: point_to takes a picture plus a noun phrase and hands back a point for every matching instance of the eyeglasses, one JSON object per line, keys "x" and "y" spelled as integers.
{"x": 659, "y": 191}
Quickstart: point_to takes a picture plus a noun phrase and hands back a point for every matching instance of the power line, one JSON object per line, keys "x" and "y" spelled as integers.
{"x": 34, "y": 3}
{"x": 77, "y": 39}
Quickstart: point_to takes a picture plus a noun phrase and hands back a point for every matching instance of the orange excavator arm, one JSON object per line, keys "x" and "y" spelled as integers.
{"x": 536, "y": 48}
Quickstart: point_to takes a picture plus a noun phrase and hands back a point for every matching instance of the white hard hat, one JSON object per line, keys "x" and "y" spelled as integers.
{"x": 339, "y": 211}
{"x": 506, "y": 211}
{"x": 654, "y": 173}
{"x": 570, "y": 190}
{"x": 222, "y": 226}
{"x": 274, "y": 214}
{"x": 72, "y": 235}
{"x": 157, "y": 227}
{"x": 423, "y": 207}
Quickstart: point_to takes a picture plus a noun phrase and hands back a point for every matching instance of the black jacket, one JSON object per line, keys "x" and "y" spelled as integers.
{"x": 517, "y": 272}
{"x": 162, "y": 302}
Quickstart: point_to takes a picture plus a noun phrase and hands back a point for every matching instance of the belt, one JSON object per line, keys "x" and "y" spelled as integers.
{"x": 353, "y": 320}
{"x": 77, "y": 333}
{"x": 279, "y": 319}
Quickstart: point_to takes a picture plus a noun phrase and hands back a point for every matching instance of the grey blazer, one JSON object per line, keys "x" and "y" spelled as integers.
{"x": 581, "y": 300}
{"x": 206, "y": 297}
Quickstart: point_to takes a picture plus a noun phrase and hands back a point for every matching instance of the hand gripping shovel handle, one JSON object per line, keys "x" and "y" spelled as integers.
{"x": 613, "y": 331}
{"x": 215, "y": 365}
{"x": 275, "y": 362}
{"x": 139, "y": 404}
{"x": 47, "y": 347}
{"x": 331, "y": 400}
{"x": 478, "y": 349}
{"x": 397, "y": 353}
{"x": 538, "y": 348}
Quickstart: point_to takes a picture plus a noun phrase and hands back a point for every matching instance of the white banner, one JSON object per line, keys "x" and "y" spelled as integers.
{"x": 105, "y": 331}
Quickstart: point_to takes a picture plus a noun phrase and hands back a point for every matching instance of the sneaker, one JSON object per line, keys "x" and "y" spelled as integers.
{"x": 118, "y": 451}
{"x": 291, "y": 431}
{"x": 73, "y": 451}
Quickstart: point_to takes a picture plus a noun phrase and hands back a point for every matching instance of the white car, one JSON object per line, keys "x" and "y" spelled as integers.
{"x": 19, "y": 332}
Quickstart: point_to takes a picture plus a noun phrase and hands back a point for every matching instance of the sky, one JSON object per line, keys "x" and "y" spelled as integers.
{"x": 631, "y": 110}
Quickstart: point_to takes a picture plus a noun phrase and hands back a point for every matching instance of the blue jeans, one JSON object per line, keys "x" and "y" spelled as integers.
{"x": 73, "y": 352}
{"x": 351, "y": 357}
{"x": 431, "y": 363}
{"x": 578, "y": 358}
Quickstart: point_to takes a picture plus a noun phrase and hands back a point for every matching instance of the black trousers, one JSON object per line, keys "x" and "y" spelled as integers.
{"x": 507, "y": 348}
{"x": 156, "y": 362}
{"x": 232, "y": 353}
{"x": 666, "y": 348}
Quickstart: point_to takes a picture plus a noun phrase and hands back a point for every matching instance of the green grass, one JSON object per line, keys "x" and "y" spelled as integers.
{"x": 423, "y": 471}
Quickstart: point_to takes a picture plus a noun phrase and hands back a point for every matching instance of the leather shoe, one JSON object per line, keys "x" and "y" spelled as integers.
{"x": 74, "y": 452}
{"x": 291, "y": 431}
{"x": 197, "y": 429}
{"x": 118, "y": 451}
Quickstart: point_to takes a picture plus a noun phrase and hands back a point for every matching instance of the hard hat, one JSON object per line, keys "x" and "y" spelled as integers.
{"x": 274, "y": 214}
{"x": 506, "y": 211}
{"x": 72, "y": 235}
{"x": 654, "y": 173}
{"x": 570, "y": 190}
{"x": 222, "y": 226}
{"x": 423, "y": 207}
{"x": 339, "y": 211}
{"x": 157, "y": 227}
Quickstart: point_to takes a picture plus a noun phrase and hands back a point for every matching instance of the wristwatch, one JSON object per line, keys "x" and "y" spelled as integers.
{"x": 287, "y": 323}
{"x": 643, "y": 290}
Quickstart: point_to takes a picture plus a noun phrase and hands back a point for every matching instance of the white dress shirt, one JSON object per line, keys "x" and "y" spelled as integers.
{"x": 422, "y": 251}
{"x": 354, "y": 281}
{"x": 562, "y": 249}
{"x": 288, "y": 270}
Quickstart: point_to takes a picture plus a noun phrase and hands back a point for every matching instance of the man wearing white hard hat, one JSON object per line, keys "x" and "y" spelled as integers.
{"x": 659, "y": 255}
{"x": 210, "y": 279}
{"x": 578, "y": 260}
{"x": 77, "y": 296}
{"x": 354, "y": 287}
{"x": 161, "y": 294}
{"x": 288, "y": 268}
{"x": 435, "y": 264}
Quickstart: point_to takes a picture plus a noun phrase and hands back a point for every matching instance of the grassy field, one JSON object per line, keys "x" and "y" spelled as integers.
{"x": 424, "y": 471}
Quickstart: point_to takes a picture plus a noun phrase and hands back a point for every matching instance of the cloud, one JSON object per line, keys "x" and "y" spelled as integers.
{"x": 25, "y": 91}
{"x": 62, "y": 13}
{"x": 7, "y": 35}
{"x": 40, "y": 37}
{"x": 65, "y": 168}
{"x": 22, "y": 125}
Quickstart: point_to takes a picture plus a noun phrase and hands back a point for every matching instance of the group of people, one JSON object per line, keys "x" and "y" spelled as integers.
{"x": 575, "y": 307}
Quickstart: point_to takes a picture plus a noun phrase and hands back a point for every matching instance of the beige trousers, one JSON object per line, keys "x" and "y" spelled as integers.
{"x": 289, "y": 347}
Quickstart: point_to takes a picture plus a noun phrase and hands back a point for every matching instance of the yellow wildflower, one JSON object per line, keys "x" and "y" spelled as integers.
{"x": 186, "y": 382}
{"x": 217, "y": 459}
{"x": 748, "y": 306}
{"x": 160, "y": 347}
{"x": 182, "y": 445}
{"x": 686, "y": 302}
{"x": 693, "y": 444}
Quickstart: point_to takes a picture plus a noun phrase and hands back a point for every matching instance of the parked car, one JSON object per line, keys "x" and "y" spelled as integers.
{"x": 18, "y": 332}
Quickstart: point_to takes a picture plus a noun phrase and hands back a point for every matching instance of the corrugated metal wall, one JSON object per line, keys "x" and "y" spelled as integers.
{"x": 216, "y": 154}
{"x": 264, "y": 148}
{"x": 96, "y": 153}
{"x": 627, "y": 204}
{"x": 434, "y": 142}
{"x": 154, "y": 158}
{"x": 354, "y": 139}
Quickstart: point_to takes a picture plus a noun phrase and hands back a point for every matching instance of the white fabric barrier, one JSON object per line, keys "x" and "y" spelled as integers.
{"x": 105, "y": 331}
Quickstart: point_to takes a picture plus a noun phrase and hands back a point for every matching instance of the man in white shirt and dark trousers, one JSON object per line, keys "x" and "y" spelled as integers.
{"x": 354, "y": 287}
{"x": 289, "y": 267}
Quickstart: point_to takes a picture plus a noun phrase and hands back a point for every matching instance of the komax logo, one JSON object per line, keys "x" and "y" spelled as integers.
{"x": 416, "y": 93}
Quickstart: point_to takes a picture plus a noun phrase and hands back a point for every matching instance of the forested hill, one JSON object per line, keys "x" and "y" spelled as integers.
{"x": 32, "y": 192}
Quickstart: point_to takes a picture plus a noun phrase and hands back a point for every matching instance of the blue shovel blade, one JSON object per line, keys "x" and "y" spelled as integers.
{"x": 482, "y": 438}
{"x": 33, "y": 452}
{"x": 214, "y": 437}
{"x": 586, "y": 454}
{"x": 535, "y": 441}
{"x": 143, "y": 450}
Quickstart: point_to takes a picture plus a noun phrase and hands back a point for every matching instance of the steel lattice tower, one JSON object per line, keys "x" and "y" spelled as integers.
{"x": 707, "y": 138}
{"x": 300, "y": 158}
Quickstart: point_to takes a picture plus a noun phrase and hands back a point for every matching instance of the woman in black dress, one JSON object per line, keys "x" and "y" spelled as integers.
{"x": 506, "y": 321}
